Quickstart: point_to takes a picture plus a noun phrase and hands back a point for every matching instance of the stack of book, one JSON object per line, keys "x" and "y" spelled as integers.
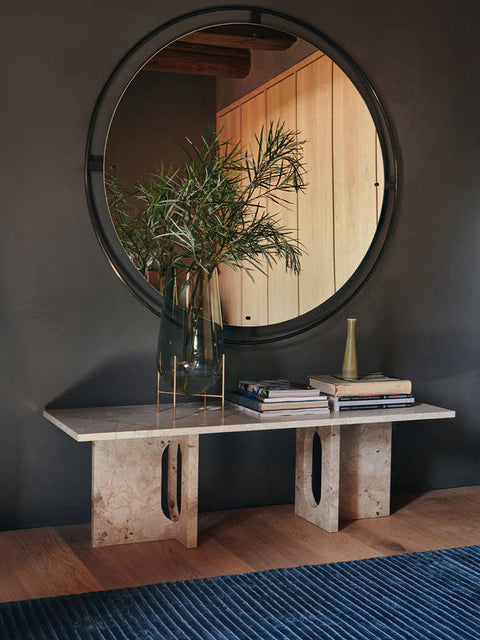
{"x": 267, "y": 398}
{"x": 373, "y": 391}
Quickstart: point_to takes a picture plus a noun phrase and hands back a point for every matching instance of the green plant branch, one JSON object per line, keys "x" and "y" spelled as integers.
{"x": 217, "y": 209}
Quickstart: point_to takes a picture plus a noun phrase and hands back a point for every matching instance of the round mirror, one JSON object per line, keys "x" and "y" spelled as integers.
{"x": 219, "y": 85}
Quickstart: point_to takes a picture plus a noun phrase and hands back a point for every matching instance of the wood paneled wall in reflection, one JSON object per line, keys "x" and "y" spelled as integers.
{"x": 335, "y": 218}
{"x": 230, "y": 281}
{"x": 354, "y": 177}
{"x": 283, "y": 285}
{"x": 254, "y": 292}
{"x": 315, "y": 206}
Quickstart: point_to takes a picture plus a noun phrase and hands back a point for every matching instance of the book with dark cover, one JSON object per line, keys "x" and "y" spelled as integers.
{"x": 368, "y": 385}
{"x": 395, "y": 396}
{"x": 288, "y": 398}
{"x": 362, "y": 407}
{"x": 263, "y": 407}
{"x": 276, "y": 415}
{"x": 278, "y": 388}
{"x": 394, "y": 401}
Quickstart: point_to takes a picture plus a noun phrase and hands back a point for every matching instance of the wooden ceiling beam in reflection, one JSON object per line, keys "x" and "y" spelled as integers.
{"x": 242, "y": 36}
{"x": 199, "y": 59}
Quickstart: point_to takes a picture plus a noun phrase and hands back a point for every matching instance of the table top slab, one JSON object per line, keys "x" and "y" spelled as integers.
{"x": 143, "y": 421}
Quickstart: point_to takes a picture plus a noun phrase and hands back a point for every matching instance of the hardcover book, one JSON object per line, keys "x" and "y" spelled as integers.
{"x": 263, "y": 407}
{"x": 286, "y": 398}
{"x": 278, "y": 388}
{"x": 369, "y": 385}
{"x": 338, "y": 404}
{"x": 281, "y": 412}
{"x": 362, "y": 407}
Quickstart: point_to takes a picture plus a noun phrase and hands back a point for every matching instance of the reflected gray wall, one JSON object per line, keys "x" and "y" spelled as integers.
{"x": 71, "y": 334}
{"x": 264, "y": 66}
{"x": 157, "y": 112}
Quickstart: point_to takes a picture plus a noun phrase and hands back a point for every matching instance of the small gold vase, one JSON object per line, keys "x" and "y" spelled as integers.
{"x": 350, "y": 369}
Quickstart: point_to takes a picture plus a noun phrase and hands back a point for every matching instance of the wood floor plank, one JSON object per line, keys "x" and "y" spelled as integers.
{"x": 311, "y": 544}
{"x": 433, "y": 520}
{"x": 150, "y": 562}
{"x": 37, "y": 563}
{"x": 54, "y": 561}
{"x": 275, "y": 537}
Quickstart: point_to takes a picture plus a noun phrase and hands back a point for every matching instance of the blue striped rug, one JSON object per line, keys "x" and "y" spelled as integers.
{"x": 434, "y": 594}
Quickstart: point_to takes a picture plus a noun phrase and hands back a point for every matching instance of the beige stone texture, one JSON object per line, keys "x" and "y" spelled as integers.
{"x": 325, "y": 513}
{"x": 127, "y": 491}
{"x": 365, "y": 469}
{"x": 143, "y": 421}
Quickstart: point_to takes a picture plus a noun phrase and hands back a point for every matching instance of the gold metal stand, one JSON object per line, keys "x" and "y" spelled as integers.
{"x": 200, "y": 395}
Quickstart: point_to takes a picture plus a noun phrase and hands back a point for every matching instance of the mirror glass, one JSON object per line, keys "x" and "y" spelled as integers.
{"x": 238, "y": 80}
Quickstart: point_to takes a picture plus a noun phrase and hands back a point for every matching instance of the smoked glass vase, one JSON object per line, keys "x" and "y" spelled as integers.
{"x": 191, "y": 329}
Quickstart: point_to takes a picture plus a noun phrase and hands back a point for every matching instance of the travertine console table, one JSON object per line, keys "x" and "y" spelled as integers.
{"x": 129, "y": 445}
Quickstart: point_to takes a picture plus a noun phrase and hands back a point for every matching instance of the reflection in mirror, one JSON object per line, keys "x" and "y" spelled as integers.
{"x": 239, "y": 79}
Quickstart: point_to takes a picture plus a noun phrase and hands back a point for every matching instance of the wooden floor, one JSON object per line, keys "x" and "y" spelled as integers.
{"x": 59, "y": 560}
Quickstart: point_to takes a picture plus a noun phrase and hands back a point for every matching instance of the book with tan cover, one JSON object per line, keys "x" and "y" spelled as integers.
{"x": 372, "y": 384}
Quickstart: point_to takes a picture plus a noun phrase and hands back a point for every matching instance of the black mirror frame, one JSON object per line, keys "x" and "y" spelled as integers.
{"x": 104, "y": 112}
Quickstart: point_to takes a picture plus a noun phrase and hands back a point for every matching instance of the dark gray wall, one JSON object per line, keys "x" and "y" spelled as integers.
{"x": 72, "y": 334}
{"x": 153, "y": 119}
